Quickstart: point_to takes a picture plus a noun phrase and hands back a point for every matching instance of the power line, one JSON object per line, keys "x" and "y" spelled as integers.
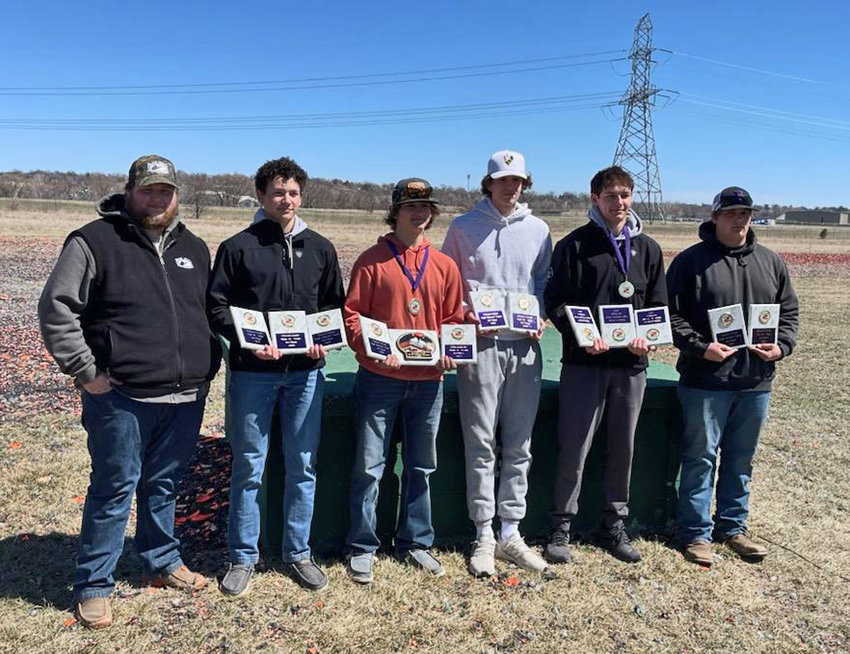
{"x": 767, "y": 112}
{"x": 315, "y": 120}
{"x": 751, "y": 69}
{"x": 762, "y": 125}
{"x": 299, "y": 84}
{"x": 310, "y": 79}
{"x": 411, "y": 110}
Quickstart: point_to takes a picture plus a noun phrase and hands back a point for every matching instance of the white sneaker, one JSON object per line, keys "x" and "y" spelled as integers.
{"x": 514, "y": 550}
{"x": 481, "y": 561}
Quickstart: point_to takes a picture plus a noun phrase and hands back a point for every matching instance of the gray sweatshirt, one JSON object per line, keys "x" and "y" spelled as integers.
{"x": 493, "y": 251}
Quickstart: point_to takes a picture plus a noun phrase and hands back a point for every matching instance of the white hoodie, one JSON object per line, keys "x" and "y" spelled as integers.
{"x": 493, "y": 251}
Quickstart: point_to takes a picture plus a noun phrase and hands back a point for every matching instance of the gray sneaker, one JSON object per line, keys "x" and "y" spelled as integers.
{"x": 237, "y": 581}
{"x": 422, "y": 559}
{"x": 360, "y": 567}
{"x": 306, "y": 574}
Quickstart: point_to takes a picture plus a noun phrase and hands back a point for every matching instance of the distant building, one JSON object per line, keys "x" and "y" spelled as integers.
{"x": 247, "y": 201}
{"x": 816, "y": 217}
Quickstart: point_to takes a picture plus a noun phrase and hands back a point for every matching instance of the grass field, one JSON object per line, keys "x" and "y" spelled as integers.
{"x": 797, "y": 600}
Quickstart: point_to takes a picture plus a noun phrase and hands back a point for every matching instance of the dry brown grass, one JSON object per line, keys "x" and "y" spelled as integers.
{"x": 800, "y": 500}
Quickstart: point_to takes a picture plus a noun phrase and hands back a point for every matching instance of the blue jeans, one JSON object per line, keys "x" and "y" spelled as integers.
{"x": 379, "y": 400}
{"x": 253, "y": 398}
{"x": 140, "y": 448}
{"x": 728, "y": 421}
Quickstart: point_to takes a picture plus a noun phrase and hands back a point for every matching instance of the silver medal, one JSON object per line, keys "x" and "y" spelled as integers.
{"x": 626, "y": 289}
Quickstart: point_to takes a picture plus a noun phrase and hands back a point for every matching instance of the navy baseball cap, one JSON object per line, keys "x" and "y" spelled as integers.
{"x": 733, "y": 197}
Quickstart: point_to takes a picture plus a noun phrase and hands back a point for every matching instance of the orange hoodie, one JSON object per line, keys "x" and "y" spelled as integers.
{"x": 380, "y": 290}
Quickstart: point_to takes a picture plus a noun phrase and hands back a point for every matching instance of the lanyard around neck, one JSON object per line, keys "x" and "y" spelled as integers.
{"x": 414, "y": 282}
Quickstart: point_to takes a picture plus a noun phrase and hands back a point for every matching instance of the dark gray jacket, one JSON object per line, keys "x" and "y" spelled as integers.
{"x": 710, "y": 275}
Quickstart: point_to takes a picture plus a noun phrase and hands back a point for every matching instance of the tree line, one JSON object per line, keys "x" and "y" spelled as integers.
{"x": 200, "y": 191}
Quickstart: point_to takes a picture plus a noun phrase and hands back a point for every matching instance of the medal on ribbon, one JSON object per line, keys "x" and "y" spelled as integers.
{"x": 626, "y": 289}
{"x": 415, "y": 305}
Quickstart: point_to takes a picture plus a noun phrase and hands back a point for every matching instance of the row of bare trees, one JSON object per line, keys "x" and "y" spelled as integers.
{"x": 200, "y": 191}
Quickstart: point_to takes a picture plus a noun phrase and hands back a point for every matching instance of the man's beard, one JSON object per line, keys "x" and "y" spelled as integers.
{"x": 160, "y": 220}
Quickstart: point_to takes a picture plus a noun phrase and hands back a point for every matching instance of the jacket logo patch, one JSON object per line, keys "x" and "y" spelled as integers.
{"x": 184, "y": 262}
{"x": 299, "y": 253}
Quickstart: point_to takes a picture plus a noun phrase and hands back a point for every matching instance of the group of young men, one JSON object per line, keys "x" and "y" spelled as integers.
{"x": 131, "y": 311}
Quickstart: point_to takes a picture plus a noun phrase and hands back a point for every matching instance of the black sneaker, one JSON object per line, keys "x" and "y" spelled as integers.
{"x": 557, "y": 550}
{"x": 237, "y": 581}
{"x": 616, "y": 541}
{"x": 306, "y": 574}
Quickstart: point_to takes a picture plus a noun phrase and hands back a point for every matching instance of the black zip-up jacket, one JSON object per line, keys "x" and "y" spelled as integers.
{"x": 585, "y": 273}
{"x": 145, "y": 322}
{"x": 710, "y": 275}
{"x": 260, "y": 268}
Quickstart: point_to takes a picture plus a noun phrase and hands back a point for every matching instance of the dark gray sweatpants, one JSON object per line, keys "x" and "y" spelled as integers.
{"x": 587, "y": 394}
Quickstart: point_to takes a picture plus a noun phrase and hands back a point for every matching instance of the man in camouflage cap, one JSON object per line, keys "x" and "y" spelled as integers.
{"x": 123, "y": 313}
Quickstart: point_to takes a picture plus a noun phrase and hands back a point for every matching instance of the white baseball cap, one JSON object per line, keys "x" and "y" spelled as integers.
{"x": 506, "y": 162}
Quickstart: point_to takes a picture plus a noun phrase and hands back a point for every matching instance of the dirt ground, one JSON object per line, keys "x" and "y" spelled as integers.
{"x": 798, "y": 599}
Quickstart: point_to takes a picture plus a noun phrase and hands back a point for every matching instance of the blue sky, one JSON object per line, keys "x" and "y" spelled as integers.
{"x": 763, "y": 97}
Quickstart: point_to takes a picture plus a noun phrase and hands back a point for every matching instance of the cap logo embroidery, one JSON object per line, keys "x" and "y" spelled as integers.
{"x": 416, "y": 190}
{"x": 157, "y": 168}
{"x": 508, "y": 158}
{"x": 184, "y": 262}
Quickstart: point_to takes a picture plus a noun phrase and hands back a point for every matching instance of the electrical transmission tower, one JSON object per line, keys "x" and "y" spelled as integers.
{"x": 636, "y": 148}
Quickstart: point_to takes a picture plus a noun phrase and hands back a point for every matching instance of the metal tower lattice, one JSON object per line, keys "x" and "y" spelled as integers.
{"x": 636, "y": 148}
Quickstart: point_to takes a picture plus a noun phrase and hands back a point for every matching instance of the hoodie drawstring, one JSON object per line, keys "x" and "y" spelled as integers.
{"x": 287, "y": 238}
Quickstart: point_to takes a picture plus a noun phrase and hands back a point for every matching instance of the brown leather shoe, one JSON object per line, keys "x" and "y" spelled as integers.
{"x": 94, "y": 613}
{"x": 182, "y": 578}
{"x": 746, "y": 548}
{"x": 699, "y": 552}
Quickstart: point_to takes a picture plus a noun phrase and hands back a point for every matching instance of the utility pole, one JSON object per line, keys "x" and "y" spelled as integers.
{"x": 636, "y": 148}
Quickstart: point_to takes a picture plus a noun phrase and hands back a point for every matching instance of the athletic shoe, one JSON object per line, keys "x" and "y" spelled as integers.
{"x": 514, "y": 550}
{"x": 615, "y": 540}
{"x": 482, "y": 561}
{"x": 557, "y": 550}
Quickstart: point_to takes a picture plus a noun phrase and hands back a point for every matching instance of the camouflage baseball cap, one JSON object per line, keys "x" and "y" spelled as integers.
{"x": 152, "y": 169}
{"x": 413, "y": 189}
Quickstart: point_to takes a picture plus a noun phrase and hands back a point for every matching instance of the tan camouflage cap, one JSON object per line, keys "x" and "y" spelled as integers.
{"x": 152, "y": 169}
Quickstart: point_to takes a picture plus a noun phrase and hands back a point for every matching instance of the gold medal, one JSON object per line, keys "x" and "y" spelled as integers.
{"x": 414, "y": 306}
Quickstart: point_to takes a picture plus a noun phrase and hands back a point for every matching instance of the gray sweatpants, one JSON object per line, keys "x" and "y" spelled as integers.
{"x": 501, "y": 391}
{"x": 587, "y": 394}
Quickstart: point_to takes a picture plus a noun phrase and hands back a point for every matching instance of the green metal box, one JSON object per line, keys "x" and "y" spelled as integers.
{"x": 654, "y": 471}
